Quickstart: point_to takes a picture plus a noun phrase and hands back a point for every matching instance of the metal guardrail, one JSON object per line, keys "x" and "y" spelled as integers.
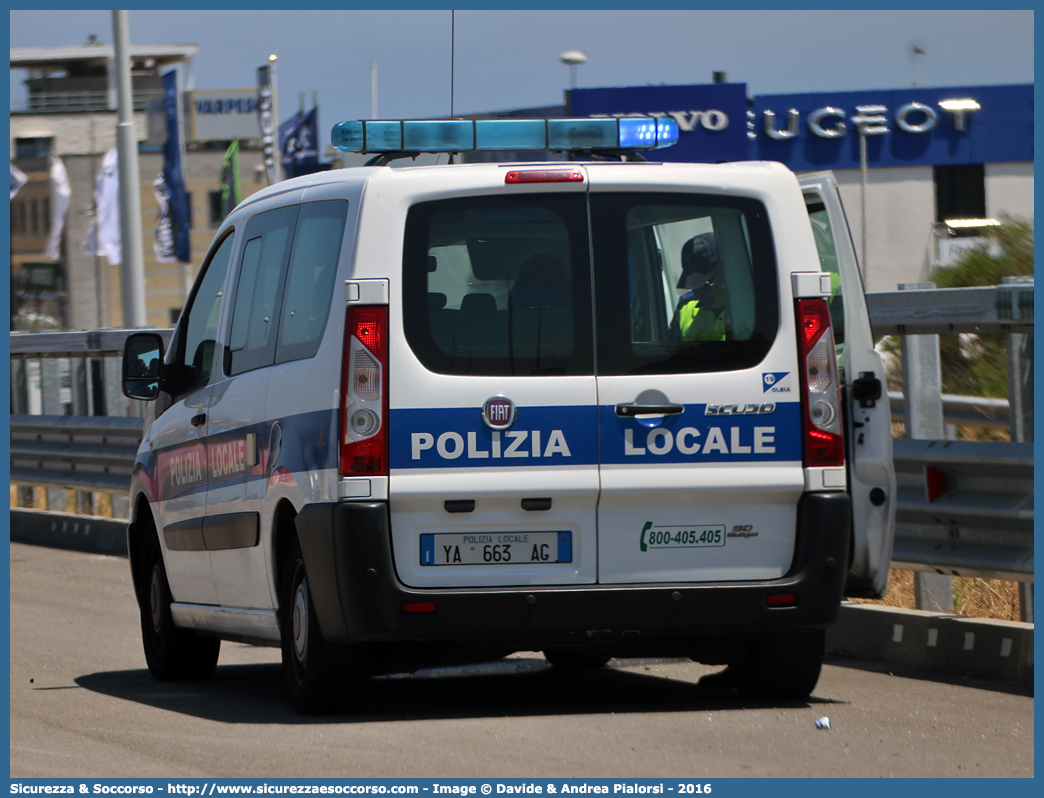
{"x": 94, "y": 453}
{"x": 91, "y": 343}
{"x": 980, "y": 524}
{"x": 992, "y": 309}
{"x": 978, "y": 410}
{"x": 964, "y": 508}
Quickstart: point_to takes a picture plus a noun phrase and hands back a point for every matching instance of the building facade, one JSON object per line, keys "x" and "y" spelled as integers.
{"x": 70, "y": 112}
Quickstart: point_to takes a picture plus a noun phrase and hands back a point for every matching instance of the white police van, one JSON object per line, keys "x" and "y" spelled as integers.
{"x": 437, "y": 414}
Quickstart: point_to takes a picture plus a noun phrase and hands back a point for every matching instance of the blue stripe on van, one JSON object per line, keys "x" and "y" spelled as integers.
{"x": 458, "y": 438}
{"x": 695, "y": 437}
{"x": 543, "y": 436}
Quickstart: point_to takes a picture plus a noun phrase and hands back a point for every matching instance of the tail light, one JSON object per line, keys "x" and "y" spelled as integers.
{"x": 820, "y": 396}
{"x": 363, "y": 449}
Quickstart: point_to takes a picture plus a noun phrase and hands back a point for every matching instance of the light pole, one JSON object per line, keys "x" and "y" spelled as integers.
{"x": 133, "y": 259}
{"x": 572, "y": 58}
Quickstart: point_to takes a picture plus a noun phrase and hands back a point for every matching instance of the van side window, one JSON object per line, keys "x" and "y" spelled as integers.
{"x": 685, "y": 283}
{"x": 310, "y": 279}
{"x": 194, "y": 354}
{"x": 499, "y": 286}
{"x": 259, "y": 286}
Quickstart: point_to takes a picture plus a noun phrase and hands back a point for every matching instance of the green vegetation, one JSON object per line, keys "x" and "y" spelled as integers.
{"x": 975, "y": 365}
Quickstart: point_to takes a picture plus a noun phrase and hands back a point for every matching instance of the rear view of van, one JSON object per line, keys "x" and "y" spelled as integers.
{"x": 424, "y": 415}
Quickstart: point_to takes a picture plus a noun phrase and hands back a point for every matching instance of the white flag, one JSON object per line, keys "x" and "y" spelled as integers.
{"x": 164, "y": 236}
{"x": 18, "y": 179}
{"x": 104, "y": 236}
{"x": 60, "y": 193}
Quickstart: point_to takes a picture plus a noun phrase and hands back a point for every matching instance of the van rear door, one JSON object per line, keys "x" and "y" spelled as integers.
{"x": 493, "y": 419}
{"x": 868, "y": 435}
{"x": 699, "y": 422}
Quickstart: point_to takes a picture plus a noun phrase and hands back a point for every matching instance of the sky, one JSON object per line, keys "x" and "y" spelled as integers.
{"x": 432, "y": 62}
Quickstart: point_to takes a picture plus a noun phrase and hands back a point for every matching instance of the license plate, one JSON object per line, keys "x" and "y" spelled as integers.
{"x": 496, "y": 548}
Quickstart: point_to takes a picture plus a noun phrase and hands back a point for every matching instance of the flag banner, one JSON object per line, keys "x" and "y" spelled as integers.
{"x": 104, "y": 237}
{"x": 298, "y": 139}
{"x": 264, "y": 115}
{"x": 163, "y": 240}
{"x": 173, "y": 175}
{"x": 286, "y": 130}
{"x": 231, "y": 194}
{"x": 60, "y": 193}
{"x": 18, "y": 179}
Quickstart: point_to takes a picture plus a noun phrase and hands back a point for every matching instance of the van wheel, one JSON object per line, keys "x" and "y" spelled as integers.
{"x": 781, "y": 665}
{"x": 172, "y": 654}
{"x": 321, "y": 677}
{"x": 576, "y": 660}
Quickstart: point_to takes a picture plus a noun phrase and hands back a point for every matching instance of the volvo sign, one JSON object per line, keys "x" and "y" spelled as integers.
{"x": 904, "y": 127}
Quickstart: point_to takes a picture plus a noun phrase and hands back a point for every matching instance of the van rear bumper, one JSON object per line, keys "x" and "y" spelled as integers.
{"x": 358, "y": 598}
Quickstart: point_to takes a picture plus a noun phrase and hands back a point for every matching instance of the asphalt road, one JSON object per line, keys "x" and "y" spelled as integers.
{"x": 83, "y": 705}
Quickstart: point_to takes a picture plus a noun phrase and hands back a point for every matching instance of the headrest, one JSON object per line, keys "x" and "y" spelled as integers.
{"x": 699, "y": 257}
{"x": 478, "y": 304}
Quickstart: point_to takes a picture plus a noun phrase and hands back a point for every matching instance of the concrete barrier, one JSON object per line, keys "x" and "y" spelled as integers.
{"x": 931, "y": 641}
{"x": 67, "y": 531}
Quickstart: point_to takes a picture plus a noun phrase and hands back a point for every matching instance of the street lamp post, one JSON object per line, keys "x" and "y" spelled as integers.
{"x": 133, "y": 259}
{"x": 572, "y": 58}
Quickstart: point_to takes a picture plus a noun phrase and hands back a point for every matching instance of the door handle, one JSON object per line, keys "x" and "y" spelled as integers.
{"x": 632, "y": 409}
{"x": 867, "y": 389}
{"x": 200, "y": 420}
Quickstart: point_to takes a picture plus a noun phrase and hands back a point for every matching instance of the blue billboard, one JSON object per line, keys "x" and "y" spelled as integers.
{"x": 919, "y": 126}
{"x": 711, "y": 119}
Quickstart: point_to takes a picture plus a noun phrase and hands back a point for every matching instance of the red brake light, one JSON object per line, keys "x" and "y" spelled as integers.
{"x": 369, "y": 328}
{"x": 820, "y": 386}
{"x": 814, "y": 317}
{"x": 363, "y": 445}
{"x": 544, "y": 176}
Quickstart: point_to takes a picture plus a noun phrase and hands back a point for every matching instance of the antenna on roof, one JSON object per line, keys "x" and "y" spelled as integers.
{"x": 453, "y": 43}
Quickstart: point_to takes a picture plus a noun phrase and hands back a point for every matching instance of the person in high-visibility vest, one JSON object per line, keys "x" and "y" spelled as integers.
{"x": 700, "y": 311}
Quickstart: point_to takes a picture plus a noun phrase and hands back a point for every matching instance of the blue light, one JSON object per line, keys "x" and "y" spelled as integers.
{"x": 511, "y": 134}
{"x": 583, "y": 134}
{"x": 384, "y": 136}
{"x": 463, "y": 135}
{"x": 637, "y": 133}
{"x": 666, "y": 132}
{"x": 347, "y": 136}
{"x": 447, "y": 135}
{"x": 367, "y": 136}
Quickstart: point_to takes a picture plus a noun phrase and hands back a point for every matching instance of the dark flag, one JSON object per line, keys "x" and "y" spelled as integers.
{"x": 173, "y": 176}
{"x": 230, "y": 191}
{"x": 299, "y": 143}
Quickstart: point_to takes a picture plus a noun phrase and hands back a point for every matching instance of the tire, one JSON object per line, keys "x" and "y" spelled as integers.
{"x": 576, "y": 659}
{"x": 321, "y": 677}
{"x": 781, "y": 665}
{"x": 172, "y": 654}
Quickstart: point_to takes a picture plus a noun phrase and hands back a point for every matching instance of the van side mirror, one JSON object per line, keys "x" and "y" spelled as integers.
{"x": 142, "y": 365}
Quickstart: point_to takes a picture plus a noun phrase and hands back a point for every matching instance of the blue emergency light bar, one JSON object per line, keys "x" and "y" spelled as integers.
{"x": 463, "y": 135}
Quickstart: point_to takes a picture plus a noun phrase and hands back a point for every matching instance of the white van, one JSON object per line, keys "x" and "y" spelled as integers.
{"x": 435, "y": 414}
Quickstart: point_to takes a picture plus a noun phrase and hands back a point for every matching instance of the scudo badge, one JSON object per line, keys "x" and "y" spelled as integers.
{"x": 498, "y": 412}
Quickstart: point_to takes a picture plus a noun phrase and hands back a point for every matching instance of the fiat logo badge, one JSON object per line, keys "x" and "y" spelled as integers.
{"x": 498, "y": 412}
